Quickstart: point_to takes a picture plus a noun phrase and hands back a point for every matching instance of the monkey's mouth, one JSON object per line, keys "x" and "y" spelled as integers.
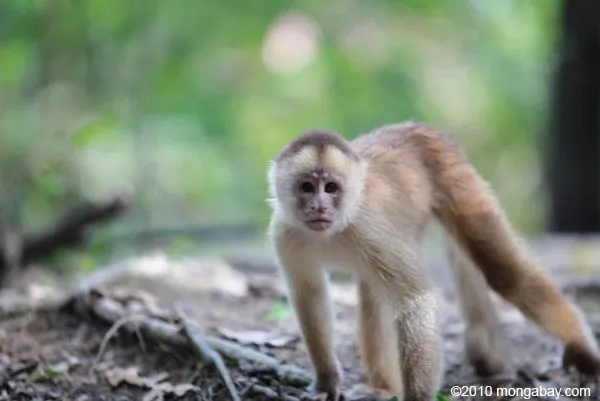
{"x": 318, "y": 224}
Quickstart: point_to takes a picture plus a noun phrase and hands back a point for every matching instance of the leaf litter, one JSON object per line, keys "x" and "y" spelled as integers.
{"x": 52, "y": 354}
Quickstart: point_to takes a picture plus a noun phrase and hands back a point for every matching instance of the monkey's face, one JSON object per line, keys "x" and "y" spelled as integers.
{"x": 319, "y": 196}
{"x": 318, "y": 189}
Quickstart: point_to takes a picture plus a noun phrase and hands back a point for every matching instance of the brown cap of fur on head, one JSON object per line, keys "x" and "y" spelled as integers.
{"x": 320, "y": 140}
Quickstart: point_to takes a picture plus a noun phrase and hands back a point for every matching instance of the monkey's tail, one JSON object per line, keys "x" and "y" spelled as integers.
{"x": 471, "y": 214}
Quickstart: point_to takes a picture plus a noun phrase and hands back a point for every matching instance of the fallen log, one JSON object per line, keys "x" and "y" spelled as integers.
{"x": 71, "y": 229}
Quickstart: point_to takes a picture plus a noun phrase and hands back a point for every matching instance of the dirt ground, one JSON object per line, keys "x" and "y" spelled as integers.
{"x": 56, "y": 355}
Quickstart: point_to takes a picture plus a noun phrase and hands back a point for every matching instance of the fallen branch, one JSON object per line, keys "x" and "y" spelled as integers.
{"x": 171, "y": 334}
{"x": 16, "y": 305}
{"x": 70, "y": 230}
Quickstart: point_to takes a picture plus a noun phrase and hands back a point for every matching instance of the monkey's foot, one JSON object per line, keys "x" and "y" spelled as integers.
{"x": 325, "y": 387}
{"x": 582, "y": 358}
{"x": 485, "y": 352}
{"x": 488, "y": 365}
{"x": 332, "y": 395}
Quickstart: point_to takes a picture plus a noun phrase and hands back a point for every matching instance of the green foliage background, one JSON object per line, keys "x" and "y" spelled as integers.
{"x": 177, "y": 103}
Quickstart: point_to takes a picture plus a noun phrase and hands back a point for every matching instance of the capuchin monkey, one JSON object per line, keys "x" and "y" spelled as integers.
{"x": 363, "y": 205}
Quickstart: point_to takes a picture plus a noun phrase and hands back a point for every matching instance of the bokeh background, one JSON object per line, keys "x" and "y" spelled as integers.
{"x": 180, "y": 104}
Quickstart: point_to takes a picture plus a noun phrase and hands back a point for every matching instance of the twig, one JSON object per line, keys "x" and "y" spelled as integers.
{"x": 204, "y": 351}
{"x": 140, "y": 338}
{"x": 111, "y": 333}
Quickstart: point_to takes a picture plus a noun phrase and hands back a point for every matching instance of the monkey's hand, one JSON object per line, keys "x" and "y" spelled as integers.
{"x": 582, "y": 358}
{"x": 366, "y": 392}
{"x": 334, "y": 395}
{"x": 324, "y": 389}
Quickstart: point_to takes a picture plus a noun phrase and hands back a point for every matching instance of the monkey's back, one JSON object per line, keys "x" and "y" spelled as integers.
{"x": 399, "y": 158}
{"x": 409, "y": 140}
{"x": 417, "y": 156}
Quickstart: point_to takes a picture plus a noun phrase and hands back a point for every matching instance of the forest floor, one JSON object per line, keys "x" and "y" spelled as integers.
{"x": 75, "y": 351}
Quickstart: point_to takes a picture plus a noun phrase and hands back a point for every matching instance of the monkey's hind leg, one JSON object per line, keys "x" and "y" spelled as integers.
{"x": 376, "y": 334}
{"x": 421, "y": 348}
{"x": 485, "y": 342}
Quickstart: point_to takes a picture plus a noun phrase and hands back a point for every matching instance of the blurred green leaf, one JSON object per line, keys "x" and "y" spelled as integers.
{"x": 85, "y": 135}
{"x": 87, "y": 263}
{"x": 48, "y": 372}
{"x": 54, "y": 371}
{"x": 280, "y": 310}
{"x": 442, "y": 397}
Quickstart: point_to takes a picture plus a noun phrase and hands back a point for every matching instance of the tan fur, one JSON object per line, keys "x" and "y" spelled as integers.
{"x": 395, "y": 180}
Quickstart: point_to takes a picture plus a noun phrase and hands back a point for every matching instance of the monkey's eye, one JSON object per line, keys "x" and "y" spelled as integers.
{"x": 307, "y": 187}
{"x": 331, "y": 187}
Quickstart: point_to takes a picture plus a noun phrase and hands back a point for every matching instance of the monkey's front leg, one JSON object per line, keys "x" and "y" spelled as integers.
{"x": 377, "y": 334}
{"x": 309, "y": 295}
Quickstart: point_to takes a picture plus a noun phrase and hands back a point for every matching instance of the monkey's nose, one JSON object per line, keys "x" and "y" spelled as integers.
{"x": 319, "y": 209}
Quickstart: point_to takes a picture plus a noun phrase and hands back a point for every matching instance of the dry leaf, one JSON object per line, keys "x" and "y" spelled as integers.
{"x": 117, "y": 376}
{"x": 159, "y": 391}
{"x": 182, "y": 389}
{"x": 158, "y": 387}
{"x": 131, "y": 376}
